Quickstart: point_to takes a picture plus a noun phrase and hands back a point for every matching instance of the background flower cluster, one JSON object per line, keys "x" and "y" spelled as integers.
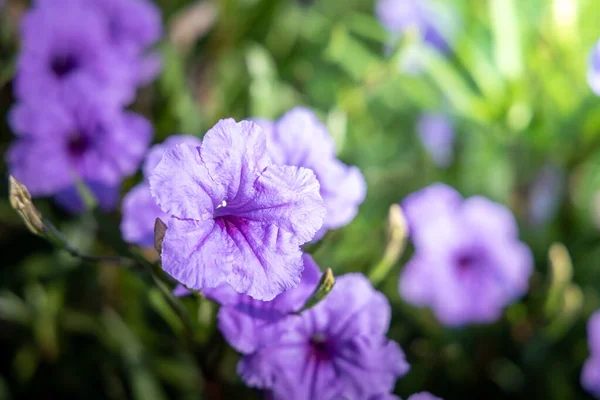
{"x": 438, "y": 159}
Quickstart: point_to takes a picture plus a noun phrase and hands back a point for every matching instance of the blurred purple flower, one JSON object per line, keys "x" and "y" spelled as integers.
{"x": 235, "y": 217}
{"x": 79, "y": 135}
{"x": 61, "y": 43}
{"x": 299, "y": 138}
{"x": 545, "y": 195}
{"x": 590, "y": 374}
{"x": 593, "y": 75}
{"x": 437, "y": 135}
{"x": 464, "y": 250}
{"x": 434, "y": 22}
{"x": 334, "y": 350}
{"x": 140, "y": 209}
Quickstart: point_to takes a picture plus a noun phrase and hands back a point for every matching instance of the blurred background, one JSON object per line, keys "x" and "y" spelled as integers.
{"x": 501, "y": 108}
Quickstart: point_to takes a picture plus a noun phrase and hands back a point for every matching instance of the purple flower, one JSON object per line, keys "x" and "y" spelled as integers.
{"x": 68, "y": 41}
{"x": 140, "y": 209}
{"x": 464, "y": 250}
{"x": 435, "y": 24}
{"x": 590, "y": 374}
{"x": 437, "y": 135}
{"x": 593, "y": 75}
{"x": 235, "y": 217}
{"x": 299, "y": 138}
{"x": 545, "y": 194}
{"x": 334, "y": 350}
{"x": 79, "y": 135}
{"x": 244, "y": 321}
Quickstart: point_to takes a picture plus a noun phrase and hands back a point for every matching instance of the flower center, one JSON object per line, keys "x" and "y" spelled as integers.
{"x": 78, "y": 145}
{"x": 320, "y": 348}
{"x": 64, "y": 65}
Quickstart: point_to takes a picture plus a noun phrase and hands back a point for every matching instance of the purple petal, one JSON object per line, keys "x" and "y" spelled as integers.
{"x": 193, "y": 194}
{"x": 158, "y": 150}
{"x": 235, "y": 154}
{"x": 139, "y": 215}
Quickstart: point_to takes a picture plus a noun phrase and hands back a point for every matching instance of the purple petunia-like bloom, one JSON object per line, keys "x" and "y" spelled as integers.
{"x": 68, "y": 41}
{"x": 235, "y": 217}
{"x": 464, "y": 250}
{"x": 80, "y": 135}
{"x": 590, "y": 374}
{"x": 140, "y": 209}
{"x": 437, "y": 135}
{"x": 593, "y": 75}
{"x": 335, "y": 350}
{"x": 434, "y": 23}
{"x": 299, "y": 138}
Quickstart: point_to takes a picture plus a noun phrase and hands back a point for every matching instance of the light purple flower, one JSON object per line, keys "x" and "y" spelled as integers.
{"x": 464, "y": 250}
{"x": 299, "y": 138}
{"x": 81, "y": 135}
{"x": 235, "y": 217}
{"x": 65, "y": 42}
{"x": 593, "y": 75}
{"x": 437, "y": 135}
{"x": 435, "y": 23}
{"x": 590, "y": 374}
{"x": 545, "y": 195}
{"x": 334, "y": 350}
{"x": 244, "y": 321}
{"x": 140, "y": 209}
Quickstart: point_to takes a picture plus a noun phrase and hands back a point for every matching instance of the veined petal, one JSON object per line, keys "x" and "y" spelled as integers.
{"x": 235, "y": 154}
{"x": 289, "y": 198}
{"x": 182, "y": 186}
{"x": 198, "y": 253}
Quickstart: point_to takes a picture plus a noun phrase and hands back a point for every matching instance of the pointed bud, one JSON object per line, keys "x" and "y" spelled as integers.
{"x": 396, "y": 242}
{"x": 160, "y": 228}
{"x": 20, "y": 201}
{"x": 325, "y": 285}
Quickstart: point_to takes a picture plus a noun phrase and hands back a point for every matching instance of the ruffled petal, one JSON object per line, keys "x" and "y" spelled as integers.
{"x": 158, "y": 150}
{"x": 235, "y": 155}
{"x": 182, "y": 186}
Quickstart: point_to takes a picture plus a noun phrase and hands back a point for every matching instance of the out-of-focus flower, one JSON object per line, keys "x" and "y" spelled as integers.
{"x": 434, "y": 22}
{"x": 61, "y": 43}
{"x": 590, "y": 374}
{"x": 80, "y": 135}
{"x": 335, "y": 350}
{"x": 140, "y": 209}
{"x": 593, "y": 75}
{"x": 234, "y": 216}
{"x": 545, "y": 194}
{"x": 299, "y": 138}
{"x": 464, "y": 250}
{"x": 437, "y": 135}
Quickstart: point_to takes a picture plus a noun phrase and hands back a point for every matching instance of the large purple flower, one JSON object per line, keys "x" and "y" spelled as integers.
{"x": 235, "y": 217}
{"x": 437, "y": 135}
{"x": 80, "y": 135}
{"x": 433, "y": 22}
{"x": 464, "y": 250}
{"x": 299, "y": 138}
{"x": 335, "y": 350}
{"x": 69, "y": 41}
{"x": 593, "y": 75}
{"x": 140, "y": 209}
{"x": 590, "y": 374}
